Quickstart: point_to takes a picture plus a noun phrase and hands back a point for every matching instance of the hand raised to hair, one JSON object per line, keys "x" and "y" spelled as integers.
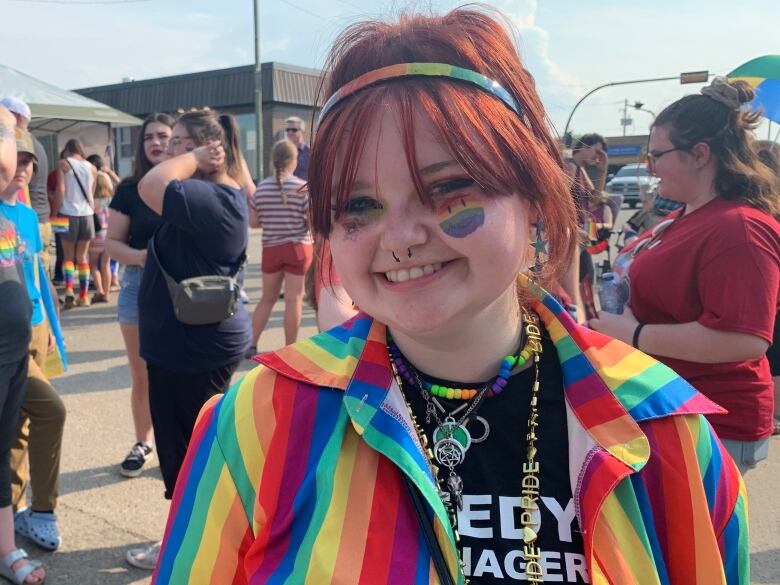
{"x": 602, "y": 160}
{"x": 210, "y": 157}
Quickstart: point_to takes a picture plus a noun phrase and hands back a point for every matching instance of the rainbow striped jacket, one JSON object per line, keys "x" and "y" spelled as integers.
{"x": 294, "y": 475}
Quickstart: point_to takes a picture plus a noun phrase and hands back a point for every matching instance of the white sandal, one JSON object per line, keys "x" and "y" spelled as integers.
{"x": 19, "y": 576}
{"x": 144, "y": 558}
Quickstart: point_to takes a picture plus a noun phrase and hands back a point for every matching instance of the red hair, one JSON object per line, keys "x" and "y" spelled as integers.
{"x": 503, "y": 152}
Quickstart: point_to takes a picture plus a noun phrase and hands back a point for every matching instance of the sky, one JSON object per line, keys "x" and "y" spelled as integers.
{"x": 570, "y": 46}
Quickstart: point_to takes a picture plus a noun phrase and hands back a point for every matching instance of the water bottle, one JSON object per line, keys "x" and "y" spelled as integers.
{"x": 609, "y": 294}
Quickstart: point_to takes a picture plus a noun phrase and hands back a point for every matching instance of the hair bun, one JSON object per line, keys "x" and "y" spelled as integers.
{"x": 746, "y": 92}
{"x": 732, "y": 95}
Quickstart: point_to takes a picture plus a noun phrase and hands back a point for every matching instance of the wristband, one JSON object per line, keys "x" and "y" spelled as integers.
{"x": 637, "y": 331}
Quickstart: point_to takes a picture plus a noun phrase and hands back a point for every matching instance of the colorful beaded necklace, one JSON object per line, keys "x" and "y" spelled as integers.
{"x": 452, "y": 439}
{"x": 531, "y": 347}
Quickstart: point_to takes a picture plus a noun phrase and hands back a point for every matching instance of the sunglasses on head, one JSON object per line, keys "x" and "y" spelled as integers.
{"x": 292, "y": 130}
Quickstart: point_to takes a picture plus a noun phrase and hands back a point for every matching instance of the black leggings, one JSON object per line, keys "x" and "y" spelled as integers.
{"x": 13, "y": 381}
{"x": 175, "y": 399}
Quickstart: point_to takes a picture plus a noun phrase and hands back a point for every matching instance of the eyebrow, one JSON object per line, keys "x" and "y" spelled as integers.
{"x": 428, "y": 170}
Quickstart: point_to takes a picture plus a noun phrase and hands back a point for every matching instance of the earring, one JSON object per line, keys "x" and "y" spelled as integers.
{"x": 396, "y": 258}
{"x": 409, "y": 252}
{"x": 540, "y": 247}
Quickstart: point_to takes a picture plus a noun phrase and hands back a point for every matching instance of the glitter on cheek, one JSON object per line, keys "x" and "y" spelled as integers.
{"x": 351, "y": 227}
{"x": 460, "y": 216}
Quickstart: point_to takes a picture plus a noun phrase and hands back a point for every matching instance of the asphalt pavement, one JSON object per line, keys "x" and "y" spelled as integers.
{"x": 102, "y": 514}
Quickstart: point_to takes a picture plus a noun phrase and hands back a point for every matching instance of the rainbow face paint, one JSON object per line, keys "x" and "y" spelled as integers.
{"x": 460, "y": 216}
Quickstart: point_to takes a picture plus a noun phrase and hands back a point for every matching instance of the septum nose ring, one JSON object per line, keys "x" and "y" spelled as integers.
{"x": 397, "y": 259}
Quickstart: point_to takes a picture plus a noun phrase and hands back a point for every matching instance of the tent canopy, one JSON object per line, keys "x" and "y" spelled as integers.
{"x": 54, "y": 109}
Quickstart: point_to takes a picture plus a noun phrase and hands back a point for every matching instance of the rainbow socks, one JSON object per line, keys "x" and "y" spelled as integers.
{"x": 83, "y": 280}
{"x": 69, "y": 270}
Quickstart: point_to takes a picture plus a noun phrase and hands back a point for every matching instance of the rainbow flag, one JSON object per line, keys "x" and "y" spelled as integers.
{"x": 59, "y": 225}
{"x": 592, "y": 229}
{"x": 56, "y": 360}
{"x": 763, "y": 75}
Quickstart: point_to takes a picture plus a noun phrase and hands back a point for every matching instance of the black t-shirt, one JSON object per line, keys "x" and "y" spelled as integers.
{"x": 489, "y": 523}
{"x": 143, "y": 221}
{"x": 204, "y": 232}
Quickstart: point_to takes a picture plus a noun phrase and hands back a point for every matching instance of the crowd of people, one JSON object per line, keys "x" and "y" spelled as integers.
{"x": 446, "y": 241}
{"x": 99, "y": 219}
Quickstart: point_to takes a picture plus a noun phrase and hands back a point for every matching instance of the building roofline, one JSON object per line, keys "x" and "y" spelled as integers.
{"x": 270, "y": 65}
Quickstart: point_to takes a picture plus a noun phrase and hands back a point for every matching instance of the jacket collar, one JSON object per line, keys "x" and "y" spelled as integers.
{"x": 610, "y": 386}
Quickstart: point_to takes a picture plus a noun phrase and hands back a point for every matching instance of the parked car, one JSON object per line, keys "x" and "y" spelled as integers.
{"x": 633, "y": 182}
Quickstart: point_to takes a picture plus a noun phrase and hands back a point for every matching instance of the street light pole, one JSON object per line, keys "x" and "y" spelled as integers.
{"x": 624, "y": 122}
{"x": 639, "y": 106}
{"x": 258, "y": 95}
{"x": 695, "y": 77}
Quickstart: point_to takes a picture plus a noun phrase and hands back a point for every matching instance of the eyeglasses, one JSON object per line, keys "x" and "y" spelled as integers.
{"x": 292, "y": 129}
{"x": 177, "y": 140}
{"x": 652, "y": 157}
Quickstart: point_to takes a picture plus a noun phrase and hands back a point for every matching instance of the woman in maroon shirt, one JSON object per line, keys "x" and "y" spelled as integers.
{"x": 704, "y": 286}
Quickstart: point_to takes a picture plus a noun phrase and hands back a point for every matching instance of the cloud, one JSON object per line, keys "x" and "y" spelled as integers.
{"x": 557, "y": 88}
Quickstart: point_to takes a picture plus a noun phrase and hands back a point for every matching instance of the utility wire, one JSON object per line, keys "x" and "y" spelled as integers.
{"x": 306, "y": 10}
{"x": 92, "y": 2}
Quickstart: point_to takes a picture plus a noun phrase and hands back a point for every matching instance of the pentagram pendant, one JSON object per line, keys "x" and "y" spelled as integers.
{"x": 449, "y": 453}
{"x": 450, "y": 429}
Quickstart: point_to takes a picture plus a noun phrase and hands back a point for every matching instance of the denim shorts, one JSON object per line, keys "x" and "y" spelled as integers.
{"x": 127, "y": 307}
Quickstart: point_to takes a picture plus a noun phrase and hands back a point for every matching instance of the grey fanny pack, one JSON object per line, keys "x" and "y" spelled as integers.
{"x": 203, "y": 300}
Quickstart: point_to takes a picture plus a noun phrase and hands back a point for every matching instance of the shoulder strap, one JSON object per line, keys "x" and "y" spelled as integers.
{"x": 83, "y": 190}
{"x": 239, "y": 265}
{"x": 437, "y": 556}
{"x": 169, "y": 279}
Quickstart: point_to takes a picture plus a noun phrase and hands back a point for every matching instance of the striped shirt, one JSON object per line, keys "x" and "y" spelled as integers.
{"x": 282, "y": 222}
{"x": 294, "y": 475}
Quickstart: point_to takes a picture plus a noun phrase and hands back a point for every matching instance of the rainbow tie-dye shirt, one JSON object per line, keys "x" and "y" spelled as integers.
{"x": 11, "y": 245}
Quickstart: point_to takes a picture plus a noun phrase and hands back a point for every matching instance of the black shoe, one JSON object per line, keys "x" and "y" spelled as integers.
{"x": 139, "y": 455}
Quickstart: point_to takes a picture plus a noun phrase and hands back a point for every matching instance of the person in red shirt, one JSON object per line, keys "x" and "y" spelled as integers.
{"x": 704, "y": 286}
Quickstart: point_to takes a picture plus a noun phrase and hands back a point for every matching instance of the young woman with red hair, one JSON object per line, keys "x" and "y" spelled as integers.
{"x": 462, "y": 427}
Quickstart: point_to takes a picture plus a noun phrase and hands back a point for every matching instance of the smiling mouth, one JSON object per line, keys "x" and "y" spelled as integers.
{"x": 404, "y": 275}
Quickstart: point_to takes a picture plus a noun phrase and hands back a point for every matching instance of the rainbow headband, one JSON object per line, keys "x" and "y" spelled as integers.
{"x": 392, "y": 72}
